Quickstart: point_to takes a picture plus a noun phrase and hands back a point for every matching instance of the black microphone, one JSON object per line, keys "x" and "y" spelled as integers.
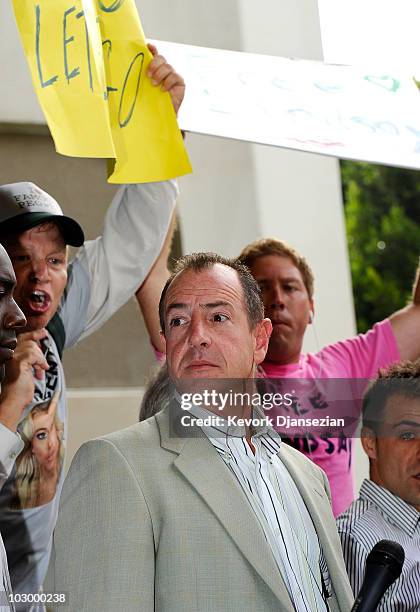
{"x": 383, "y": 566}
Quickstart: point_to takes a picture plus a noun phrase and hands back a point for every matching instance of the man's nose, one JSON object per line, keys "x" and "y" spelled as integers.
{"x": 14, "y": 319}
{"x": 39, "y": 270}
{"x": 199, "y": 336}
{"x": 277, "y": 296}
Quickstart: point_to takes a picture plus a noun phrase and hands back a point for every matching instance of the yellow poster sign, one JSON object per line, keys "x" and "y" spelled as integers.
{"x": 88, "y": 60}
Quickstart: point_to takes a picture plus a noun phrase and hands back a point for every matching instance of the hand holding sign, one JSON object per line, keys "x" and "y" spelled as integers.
{"x": 161, "y": 73}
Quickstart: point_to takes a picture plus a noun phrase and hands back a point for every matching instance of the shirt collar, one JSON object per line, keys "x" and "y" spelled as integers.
{"x": 220, "y": 431}
{"x": 395, "y": 509}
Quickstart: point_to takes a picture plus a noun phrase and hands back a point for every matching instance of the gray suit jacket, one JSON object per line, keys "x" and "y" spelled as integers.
{"x": 153, "y": 522}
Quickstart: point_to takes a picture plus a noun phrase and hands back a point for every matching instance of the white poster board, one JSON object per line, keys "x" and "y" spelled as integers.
{"x": 342, "y": 111}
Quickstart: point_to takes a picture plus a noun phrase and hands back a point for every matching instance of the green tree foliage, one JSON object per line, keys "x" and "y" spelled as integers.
{"x": 382, "y": 209}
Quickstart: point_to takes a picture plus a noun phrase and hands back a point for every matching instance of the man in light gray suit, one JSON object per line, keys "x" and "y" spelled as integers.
{"x": 158, "y": 518}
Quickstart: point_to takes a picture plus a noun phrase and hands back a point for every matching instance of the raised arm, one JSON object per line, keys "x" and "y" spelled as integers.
{"x": 110, "y": 269}
{"x": 148, "y": 295}
{"x": 406, "y": 325}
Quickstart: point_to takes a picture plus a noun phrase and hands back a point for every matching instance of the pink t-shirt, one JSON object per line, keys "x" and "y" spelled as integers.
{"x": 359, "y": 357}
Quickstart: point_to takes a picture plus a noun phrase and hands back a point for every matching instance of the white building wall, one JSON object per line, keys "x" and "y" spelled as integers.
{"x": 18, "y": 102}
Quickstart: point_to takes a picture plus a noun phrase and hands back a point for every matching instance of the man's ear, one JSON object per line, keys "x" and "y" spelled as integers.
{"x": 262, "y": 333}
{"x": 368, "y": 439}
{"x": 312, "y": 311}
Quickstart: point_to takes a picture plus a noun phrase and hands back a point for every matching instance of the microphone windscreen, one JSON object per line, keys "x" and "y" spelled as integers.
{"x": 389, "y": 553}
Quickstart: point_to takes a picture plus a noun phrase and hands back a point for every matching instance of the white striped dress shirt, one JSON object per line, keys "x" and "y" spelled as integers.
{"x": 279, "y": 508}
{"x": 378, "y": 515}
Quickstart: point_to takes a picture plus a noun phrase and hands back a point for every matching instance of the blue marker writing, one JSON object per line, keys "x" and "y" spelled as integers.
{"x": 37, "y": 53}
{"x": 76, "y": 71}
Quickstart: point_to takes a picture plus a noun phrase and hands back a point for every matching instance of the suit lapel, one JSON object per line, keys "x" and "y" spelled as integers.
{"x": 200, "y": 464}
{"x": 206, "y": 472}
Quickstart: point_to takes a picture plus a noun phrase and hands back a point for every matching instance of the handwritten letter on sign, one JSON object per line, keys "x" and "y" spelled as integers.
{"x": 88, "y": 60}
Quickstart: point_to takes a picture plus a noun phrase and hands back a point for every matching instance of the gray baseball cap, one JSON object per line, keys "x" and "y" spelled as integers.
{"x": 24, "y": 205}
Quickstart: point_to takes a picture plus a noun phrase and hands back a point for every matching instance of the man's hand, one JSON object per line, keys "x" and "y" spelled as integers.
{"x": 161, "y": 73}
{"x": 17, "y": 389}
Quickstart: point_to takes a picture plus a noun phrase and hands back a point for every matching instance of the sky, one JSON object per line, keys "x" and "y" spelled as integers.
{"x": 382, "y": 33}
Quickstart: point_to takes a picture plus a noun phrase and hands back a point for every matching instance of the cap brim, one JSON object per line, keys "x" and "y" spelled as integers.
{"x": 71, "y": 231}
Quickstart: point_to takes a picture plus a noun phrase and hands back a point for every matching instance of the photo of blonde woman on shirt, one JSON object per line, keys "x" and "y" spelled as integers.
{"x": 39, "y": 465}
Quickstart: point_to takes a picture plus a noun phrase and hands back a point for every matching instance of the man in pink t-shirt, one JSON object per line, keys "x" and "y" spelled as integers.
{"x": 287, "y": 286}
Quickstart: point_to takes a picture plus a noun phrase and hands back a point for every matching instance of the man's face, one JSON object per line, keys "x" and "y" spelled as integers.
{"x": 11, "y": 317}
{"x": 207, "y": 330}
{"x": 39, "y": 258}
{"x": 395, "y": 452}
{"x": 286, "y": 303}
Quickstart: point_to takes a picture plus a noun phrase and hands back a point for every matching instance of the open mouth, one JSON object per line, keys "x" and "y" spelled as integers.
{"x": 39, "y": 301}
